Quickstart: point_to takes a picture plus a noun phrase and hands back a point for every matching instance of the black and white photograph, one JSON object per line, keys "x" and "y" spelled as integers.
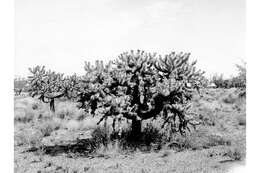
{"x": 120, "y": 86}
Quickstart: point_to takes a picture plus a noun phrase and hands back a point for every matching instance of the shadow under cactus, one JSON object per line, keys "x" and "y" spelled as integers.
{"x": 100, "y": 138}
{"x": 82, "y": 147}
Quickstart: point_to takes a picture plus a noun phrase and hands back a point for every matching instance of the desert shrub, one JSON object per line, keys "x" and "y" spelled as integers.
{"x": 200, "y": 139}
{"x": 235, "y": 97}
{"x": 27, "y": 110}
{"x": 113, "y": 148}
{"x": 44, "y": 115}
{"x": 23, "y": 115}
{"x": 235, "y": 153}
{"x": 66, "y": 110}
{"x": 241, "y": 120}
{"x": 230, "y": 99}
{"x": 100, "y": 136}
{"x": 20, "y": 139}
{"x": 30, "y": 137}
{"x": 47, "y": 127}
{"x": 81, "y": 115}
{"x": 240, "y": 103}
{"x": 242, "y": 94}
{"x": 35, "y": 106}
{"x": 207, "y": 119}
{"x": 151, "y": 137}
{"x": 28, "y": 101}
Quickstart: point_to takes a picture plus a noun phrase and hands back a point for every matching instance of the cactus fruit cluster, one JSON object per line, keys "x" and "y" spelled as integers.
{"x": 136, "y": 86}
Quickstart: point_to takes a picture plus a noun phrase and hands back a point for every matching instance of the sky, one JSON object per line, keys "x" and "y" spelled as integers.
{"x": 63, "y": 34}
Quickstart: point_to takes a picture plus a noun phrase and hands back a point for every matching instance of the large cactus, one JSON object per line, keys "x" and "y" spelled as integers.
{"x": 140, "y": 86}
{"x": 136, "y": 86}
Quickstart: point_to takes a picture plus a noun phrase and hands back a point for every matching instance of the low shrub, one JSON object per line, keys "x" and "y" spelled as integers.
{"x": 235, "y": 153}
{"x": 23, "y": 115}
{"x": 35, "y": 106}
{"x": 81, "y": 115}
{"x": 66, "y": 110}
{"x": 47, "y": 127}
{"x": 241, "y": 120}
{"x": 152, "y": 135}
{"x": 101, "y": 136}
{"x": 44, "y": 115}
{"x": 207, "y": 119}
{"x": 29, "y": 137}
{"x": 230, "y": 99}
{"x": 149, "y": 139}
{"x": 111, "y": 149}
{"x": 200, "y": 139}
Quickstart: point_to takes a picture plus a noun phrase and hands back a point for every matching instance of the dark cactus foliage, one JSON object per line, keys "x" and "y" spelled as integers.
{"x": 140, "y": 86}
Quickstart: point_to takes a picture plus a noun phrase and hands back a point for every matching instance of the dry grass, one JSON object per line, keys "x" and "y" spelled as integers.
{"x": 68, "y": 110}
{"x": 89, "y": 123}
{"x": 72, "y": 125}
{"x": 29, "y": 137}
{"x": 200, "y": 139}
{"x": 112, "y": 149}
{"x": 241, "y": 120}
{"x": 220, "y": 137}
{"x": 23, "y": 115}
{"x": 48, "y": 127}
{"x": 235, "y": 154}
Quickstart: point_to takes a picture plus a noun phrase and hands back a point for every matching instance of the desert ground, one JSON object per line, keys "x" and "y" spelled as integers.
{"x": 63, "y": 141}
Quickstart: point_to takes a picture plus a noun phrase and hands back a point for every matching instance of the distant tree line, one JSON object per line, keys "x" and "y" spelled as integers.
{"x": 238, "y": 81}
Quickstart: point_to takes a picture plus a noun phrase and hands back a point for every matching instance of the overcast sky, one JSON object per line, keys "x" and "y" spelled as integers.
{"x": 62, "y": 34}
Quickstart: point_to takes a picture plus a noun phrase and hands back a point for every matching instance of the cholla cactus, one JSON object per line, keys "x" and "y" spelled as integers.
{"x": 140, "y": 86}
{"x": 91, "y": 88}
{"x": 136, "y": 86}
{"x": 49, "y": 85}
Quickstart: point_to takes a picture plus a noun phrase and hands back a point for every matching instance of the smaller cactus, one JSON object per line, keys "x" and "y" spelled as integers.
{"x": 49, "y": 85}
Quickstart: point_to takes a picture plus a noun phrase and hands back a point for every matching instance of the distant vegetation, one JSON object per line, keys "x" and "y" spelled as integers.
{"x": 20, "y": 85}
{"x": 238, "y": 81}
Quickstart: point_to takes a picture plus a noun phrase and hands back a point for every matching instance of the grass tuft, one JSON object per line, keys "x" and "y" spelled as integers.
{"x": 48, "y": 127}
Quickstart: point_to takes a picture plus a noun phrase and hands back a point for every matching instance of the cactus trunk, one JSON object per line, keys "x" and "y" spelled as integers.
{"x": 52, "y": 106}
{"x": 136, "y": 129}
